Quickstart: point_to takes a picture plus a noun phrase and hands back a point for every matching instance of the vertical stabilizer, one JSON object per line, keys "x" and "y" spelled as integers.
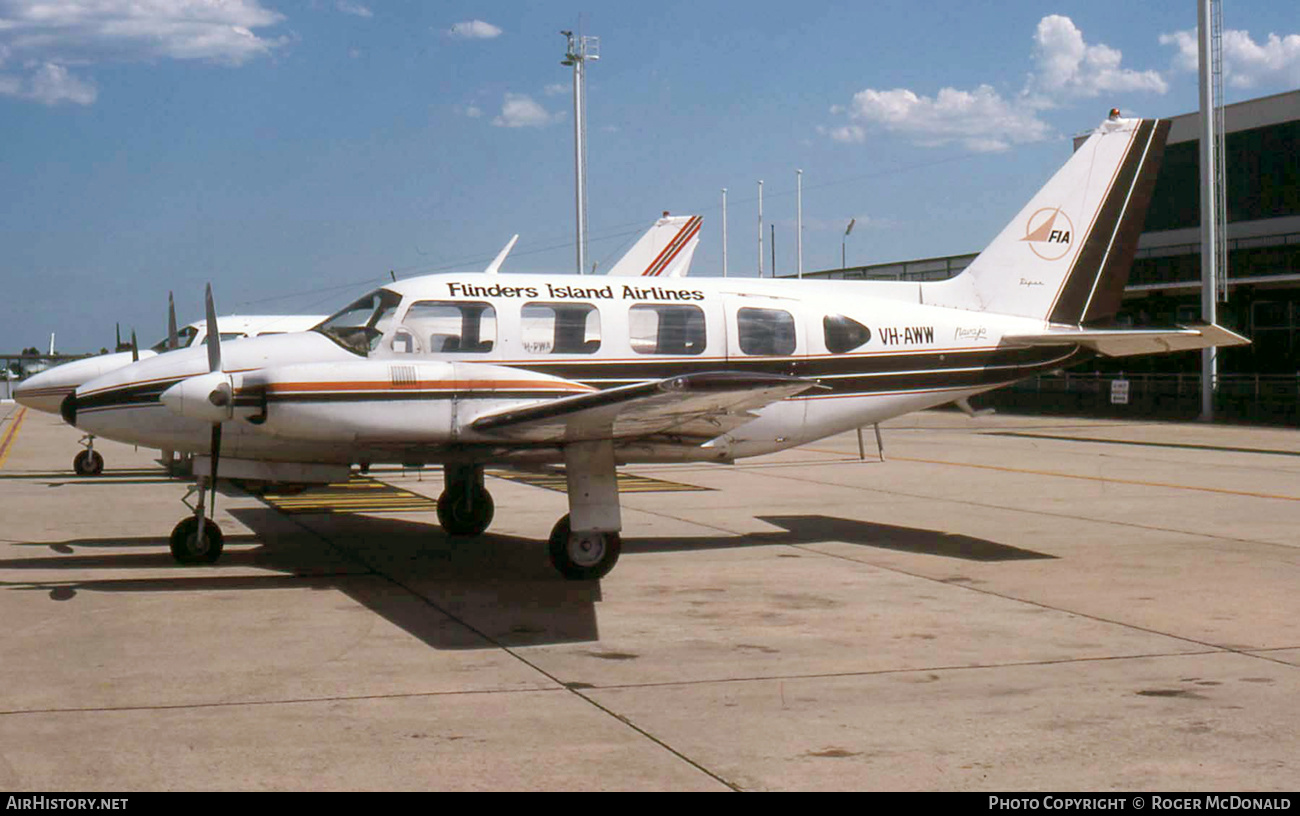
{"x": 665, "y": 251}
{"x": 1065, "y": 258}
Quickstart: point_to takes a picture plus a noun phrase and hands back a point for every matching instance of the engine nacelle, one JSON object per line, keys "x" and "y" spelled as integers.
{"x": 207, "y": 397}
{"x": 390, "y": 401}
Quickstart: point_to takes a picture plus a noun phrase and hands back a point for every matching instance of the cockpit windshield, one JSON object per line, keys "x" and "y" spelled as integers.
{"x": 358, "y": 326}
{"x": 184, "y": 338}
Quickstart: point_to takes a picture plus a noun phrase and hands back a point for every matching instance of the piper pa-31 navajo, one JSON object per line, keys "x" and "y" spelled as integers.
{"x": 465, "y": 370}
{"x": 665, "y": 250}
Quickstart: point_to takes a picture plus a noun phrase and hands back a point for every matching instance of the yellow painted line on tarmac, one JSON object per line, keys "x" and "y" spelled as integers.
{"x": 627, "y": 482}
{"x": 360, "y": 494}
{"x": 1107, "y": 479}
{"x": 6, "y": 441}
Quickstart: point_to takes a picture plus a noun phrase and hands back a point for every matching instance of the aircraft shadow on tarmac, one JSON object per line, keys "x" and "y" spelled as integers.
{"x": 451, "y": 593}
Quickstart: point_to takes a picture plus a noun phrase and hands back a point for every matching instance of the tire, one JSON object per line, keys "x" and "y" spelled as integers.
{"x": 185, "y": 547}
{"x": 463, "y": 515}
{"x": 588, "y": 557}
{"x": 88, "y": 463}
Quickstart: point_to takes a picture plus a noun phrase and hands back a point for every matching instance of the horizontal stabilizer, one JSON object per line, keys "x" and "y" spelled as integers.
{"x": 1128, "y": 342}
{"x": 698, "y": 406}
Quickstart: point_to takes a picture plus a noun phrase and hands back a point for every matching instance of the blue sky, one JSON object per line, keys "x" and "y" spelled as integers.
{"x": 292, "y": 153}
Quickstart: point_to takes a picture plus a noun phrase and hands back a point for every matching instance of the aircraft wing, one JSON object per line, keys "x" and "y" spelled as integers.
{"x": 665, "y": 251}
{"x": 1127, "y": 342}
{"x": 698, "y": 406}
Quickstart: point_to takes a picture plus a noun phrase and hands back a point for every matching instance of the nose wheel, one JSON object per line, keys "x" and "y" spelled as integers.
{"x": 88, "y": 462}
{"x": 190, "y": 545}
{"x": 583, "y": 556}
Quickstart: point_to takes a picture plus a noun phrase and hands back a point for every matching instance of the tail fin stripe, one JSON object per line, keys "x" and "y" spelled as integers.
{"x": 1078, "y": 283}
{"x": 1095, "y": 285}
{"x": 1116, "y": 232}
{"x": 674, "y": 246}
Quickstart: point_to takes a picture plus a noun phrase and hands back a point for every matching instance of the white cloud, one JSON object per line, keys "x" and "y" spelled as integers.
{"x": 1246, "y": 63}
{"x": 474, "y": 30}
{"x": 520, "y": 110}
{"x": 355, "y": 9}
{"x": 555, "y": 89}
{"x": 126, "y": 30}
{"x": 1066, "y": 65}
{"x": 983, "y": 119}
{"x": 474, "y": 112}
{"x": 49, "y": 84}
{"x": 49, "y": 36}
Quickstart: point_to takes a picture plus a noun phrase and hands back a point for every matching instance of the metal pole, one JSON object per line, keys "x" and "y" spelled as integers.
{"x": 580, "y": 174}
{"x": 580, "y": 49}
{"x": 760, "y": 228}
{"x": 1209, "y": 356}
{"x": 724, "y": 232}
{"x": 798, "y": 230}
{"x": 774, "y": 250}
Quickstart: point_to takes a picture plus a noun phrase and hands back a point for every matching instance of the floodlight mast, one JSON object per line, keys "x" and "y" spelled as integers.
{"x": 580, "y": 49}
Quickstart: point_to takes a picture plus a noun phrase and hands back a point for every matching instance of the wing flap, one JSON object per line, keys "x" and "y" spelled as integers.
{"x": 1128, "y": 342}
{"x": 701, "y": 406}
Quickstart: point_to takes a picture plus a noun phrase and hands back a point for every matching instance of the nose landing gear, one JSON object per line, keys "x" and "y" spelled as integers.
{"x": 88, "y": 462}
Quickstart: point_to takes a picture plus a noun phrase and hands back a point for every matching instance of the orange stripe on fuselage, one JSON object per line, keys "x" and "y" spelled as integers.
{"x": 428, "y": 385}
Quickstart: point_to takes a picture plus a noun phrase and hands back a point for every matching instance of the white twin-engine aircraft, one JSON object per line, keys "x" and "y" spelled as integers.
{"x": 466, "y": 370}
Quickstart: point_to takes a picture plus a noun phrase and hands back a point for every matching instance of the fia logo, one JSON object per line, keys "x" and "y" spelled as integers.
{"x": 1048, "y": 233}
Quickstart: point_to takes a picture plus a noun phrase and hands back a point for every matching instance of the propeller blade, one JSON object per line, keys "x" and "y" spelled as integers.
{"x": 216, "y": 456}
{"x": 214, "y": 334}
{"x": 135, "y": 348}
{"x": 173, "y": 340}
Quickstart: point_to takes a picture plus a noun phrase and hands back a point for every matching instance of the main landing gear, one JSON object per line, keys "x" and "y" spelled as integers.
{"x": 88, "y": 462}
{"x": 465, "y": 507}
{"x": 585, "y": 544}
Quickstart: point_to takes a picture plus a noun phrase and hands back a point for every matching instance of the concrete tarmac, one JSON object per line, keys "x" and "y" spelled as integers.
{"x": 1005, "y": 603}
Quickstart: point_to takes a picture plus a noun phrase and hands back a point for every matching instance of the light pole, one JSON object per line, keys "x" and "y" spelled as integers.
{"x": 580, "y": 49}
{"x": 844, "y": 240}
{"x": 798, "y": 231}
{"x": 724, "y": 232}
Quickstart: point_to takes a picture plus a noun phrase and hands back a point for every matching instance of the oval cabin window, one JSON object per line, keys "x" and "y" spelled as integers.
{"x": 843, "y": 333}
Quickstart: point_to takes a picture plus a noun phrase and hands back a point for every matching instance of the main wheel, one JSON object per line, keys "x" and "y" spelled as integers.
{"x": 88, "y": 463}
{"x": 188, "y": 548}
{"x": 583, "y": 556}
{"x": 465, "y": 509}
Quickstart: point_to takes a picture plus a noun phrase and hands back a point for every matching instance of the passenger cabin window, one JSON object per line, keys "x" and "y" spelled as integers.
{"x": 666, "y": 329}
{"x": 560, "y": 328}
{"x": 843, "y": 333}
{"x": 448, "y": 327}
{"x": 766, "y": 331}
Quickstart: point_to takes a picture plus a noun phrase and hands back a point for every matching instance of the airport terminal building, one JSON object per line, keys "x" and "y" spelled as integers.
{"x": 1260, "y": 381}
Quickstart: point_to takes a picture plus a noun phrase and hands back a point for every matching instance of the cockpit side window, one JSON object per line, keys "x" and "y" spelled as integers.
{"x": 766, "y": 331}
{"x": 448, "y": 327}
{"x": 843, "y": 334}
{"x": 359, "y": 325}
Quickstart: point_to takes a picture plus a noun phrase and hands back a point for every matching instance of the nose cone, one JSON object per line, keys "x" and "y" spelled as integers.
{"x": 48, "y": 390}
